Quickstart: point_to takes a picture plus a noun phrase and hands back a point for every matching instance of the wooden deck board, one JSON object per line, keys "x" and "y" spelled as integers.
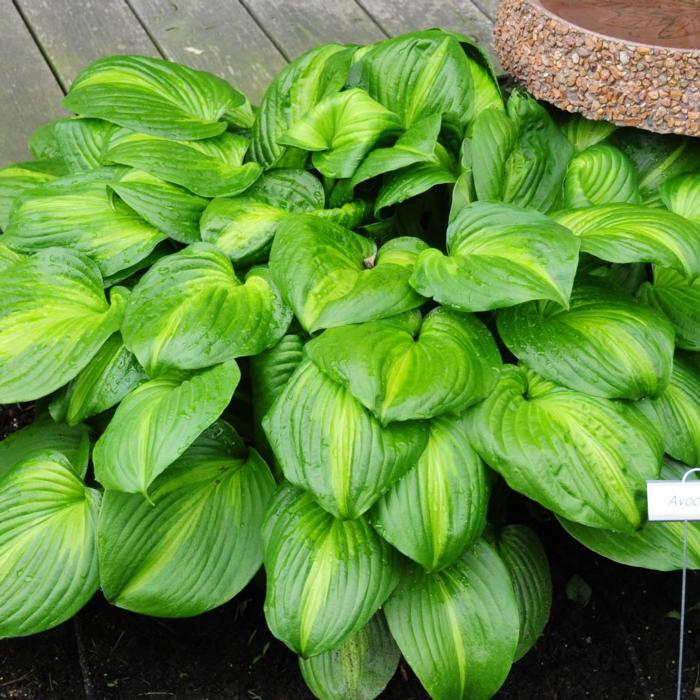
{"x": 219, "y": 36}
{"x": 458, "y": 15}
{"x": 30, "y": 93}
{"x": 72, "y": 34}
{"x": 297, "y": 27}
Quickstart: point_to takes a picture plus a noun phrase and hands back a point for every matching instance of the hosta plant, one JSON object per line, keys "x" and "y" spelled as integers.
{"x": 315, "y": 335}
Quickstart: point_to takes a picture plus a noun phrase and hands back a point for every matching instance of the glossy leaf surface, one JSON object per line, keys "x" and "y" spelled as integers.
{"x": 326, "y": 578}
{"x": 585, "y": 458}
{"x": 411, "y": 368}
{"x": 157, "y": 421}
{"x": 48, "y": 523}
{"x": 198, "y": 543}
{"x": 329, "y": 444}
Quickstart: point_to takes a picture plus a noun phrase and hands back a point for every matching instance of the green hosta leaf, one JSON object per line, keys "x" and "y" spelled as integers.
{"x": 658, "y": 158}
{"x": 42, "y": 435}
{"x": 416, "y": 145}
{"x": 48, "y": 520}
{"x": 583, "y": 457}
{"x": 423, "y": 73}
{"x": 681, "y": 195}
{"x": 157, "y": 421}
{"x": 109, "y": 377}
{"x": 604, "y": 345}
{"x": 340, "y": 130}
{"x": 157, "y": 97}
{"x": 199, "y": 542}
{"x": 499, "y": 255}
{"x": 677, "y": 412}
{"x": 290, "y": 189}
{"x": 171, "y": 209}
{"x": 359, "y": 669}
{"x": 656, "y": 545}
{"x": 526, "y": 560}
{"x": 8, "y": 257}
{"x": 416, "y": 179}
{"x": 296, "y": 89}
{"x": 210, "y": 168}
{"x": 350, "y": 215}
{"x": 243, "y": 227}
{"x": 411, "y": 368}
{"x": 583, "y": 133}
{"x": 434, "y": 512}
{"x": 42, "y": 143}
{"x": 269, "y": 372}
{"x": 627, "y": 233}
{"x": 83, "y": 143}
{"x": 191, "y": 311}
{"x": 679, "y": 300}
{"x": 519, "y": 157}
{"x": 331, "y": 276}
{"x": 601, "y": 174}
{"x": 326, "y": 578}
{"x": 53, "y": 319}
{"x": 458, "y": 629}
{"x": 79, "y": 212}
{"x": 328, "y": 443}
{"x": 19, "y": 179}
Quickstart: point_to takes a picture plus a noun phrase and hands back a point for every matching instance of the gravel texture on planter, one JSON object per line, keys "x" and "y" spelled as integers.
{"x": 628, "y": 83}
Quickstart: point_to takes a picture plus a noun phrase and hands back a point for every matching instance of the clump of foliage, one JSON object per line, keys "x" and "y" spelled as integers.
{"x": 316, "y": 335}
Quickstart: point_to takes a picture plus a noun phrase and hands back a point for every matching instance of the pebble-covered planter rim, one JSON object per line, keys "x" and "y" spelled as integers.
{"x": 622, "y": 81}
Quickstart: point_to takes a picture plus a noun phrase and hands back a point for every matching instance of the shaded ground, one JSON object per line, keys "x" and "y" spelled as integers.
{"x": 621, "y": 645}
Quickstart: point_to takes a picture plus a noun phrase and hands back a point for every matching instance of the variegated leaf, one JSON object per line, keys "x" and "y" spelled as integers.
{"x": 327, "y": 442}
{"x": 171, "y": 209}
{"x": 583, "y": 457}
{"x": 79, "y": 212}
{"x": 682, "y": 196}
{"x": 627, "y": 233}
{"x": 677, "y": 411}
{"x": 191, "y": 311}
{"x": 601, "y": 174}
{"x": 605, "y": 344}
{"x": 157, "y": 97}
{"x": 340, "y": 130}
{"x": 48, "y": 523}
{"x": 53, "y": 319}
{"x": 198, "y": 542}
{"x": 409, "y": 367}
{"x": 656, "y": 545}
{"x": 331, "y": 276}
{"x": 458, "y": 628}
{"x": 434, "y": 512}
{"x": 157, "y": 421}
{"x": 359, "y": 669}
{"x": 499, "y": 255}
{"x": 296, "y": 89}
{"x": 210, "y": 168}
{"x": 326, "y": 577}
{"x": 525, "y": 558}
{"x": 679, "y": 300}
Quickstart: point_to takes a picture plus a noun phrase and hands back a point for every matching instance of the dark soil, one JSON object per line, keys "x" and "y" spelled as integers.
{"x": 620, "y": 645}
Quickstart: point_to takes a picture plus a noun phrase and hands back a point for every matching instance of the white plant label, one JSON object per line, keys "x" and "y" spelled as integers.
{"x": 674, "y": 500}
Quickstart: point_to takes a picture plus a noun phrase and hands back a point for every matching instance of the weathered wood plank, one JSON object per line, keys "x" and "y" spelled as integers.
{"x": 488, "y": 7}
{"x": 214, "y": 35}
{"x": 298, "y": 26}
{"x": 72, "y": 34}
{"x": 30, "y": 93}
{"x": 458, "y": 15}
